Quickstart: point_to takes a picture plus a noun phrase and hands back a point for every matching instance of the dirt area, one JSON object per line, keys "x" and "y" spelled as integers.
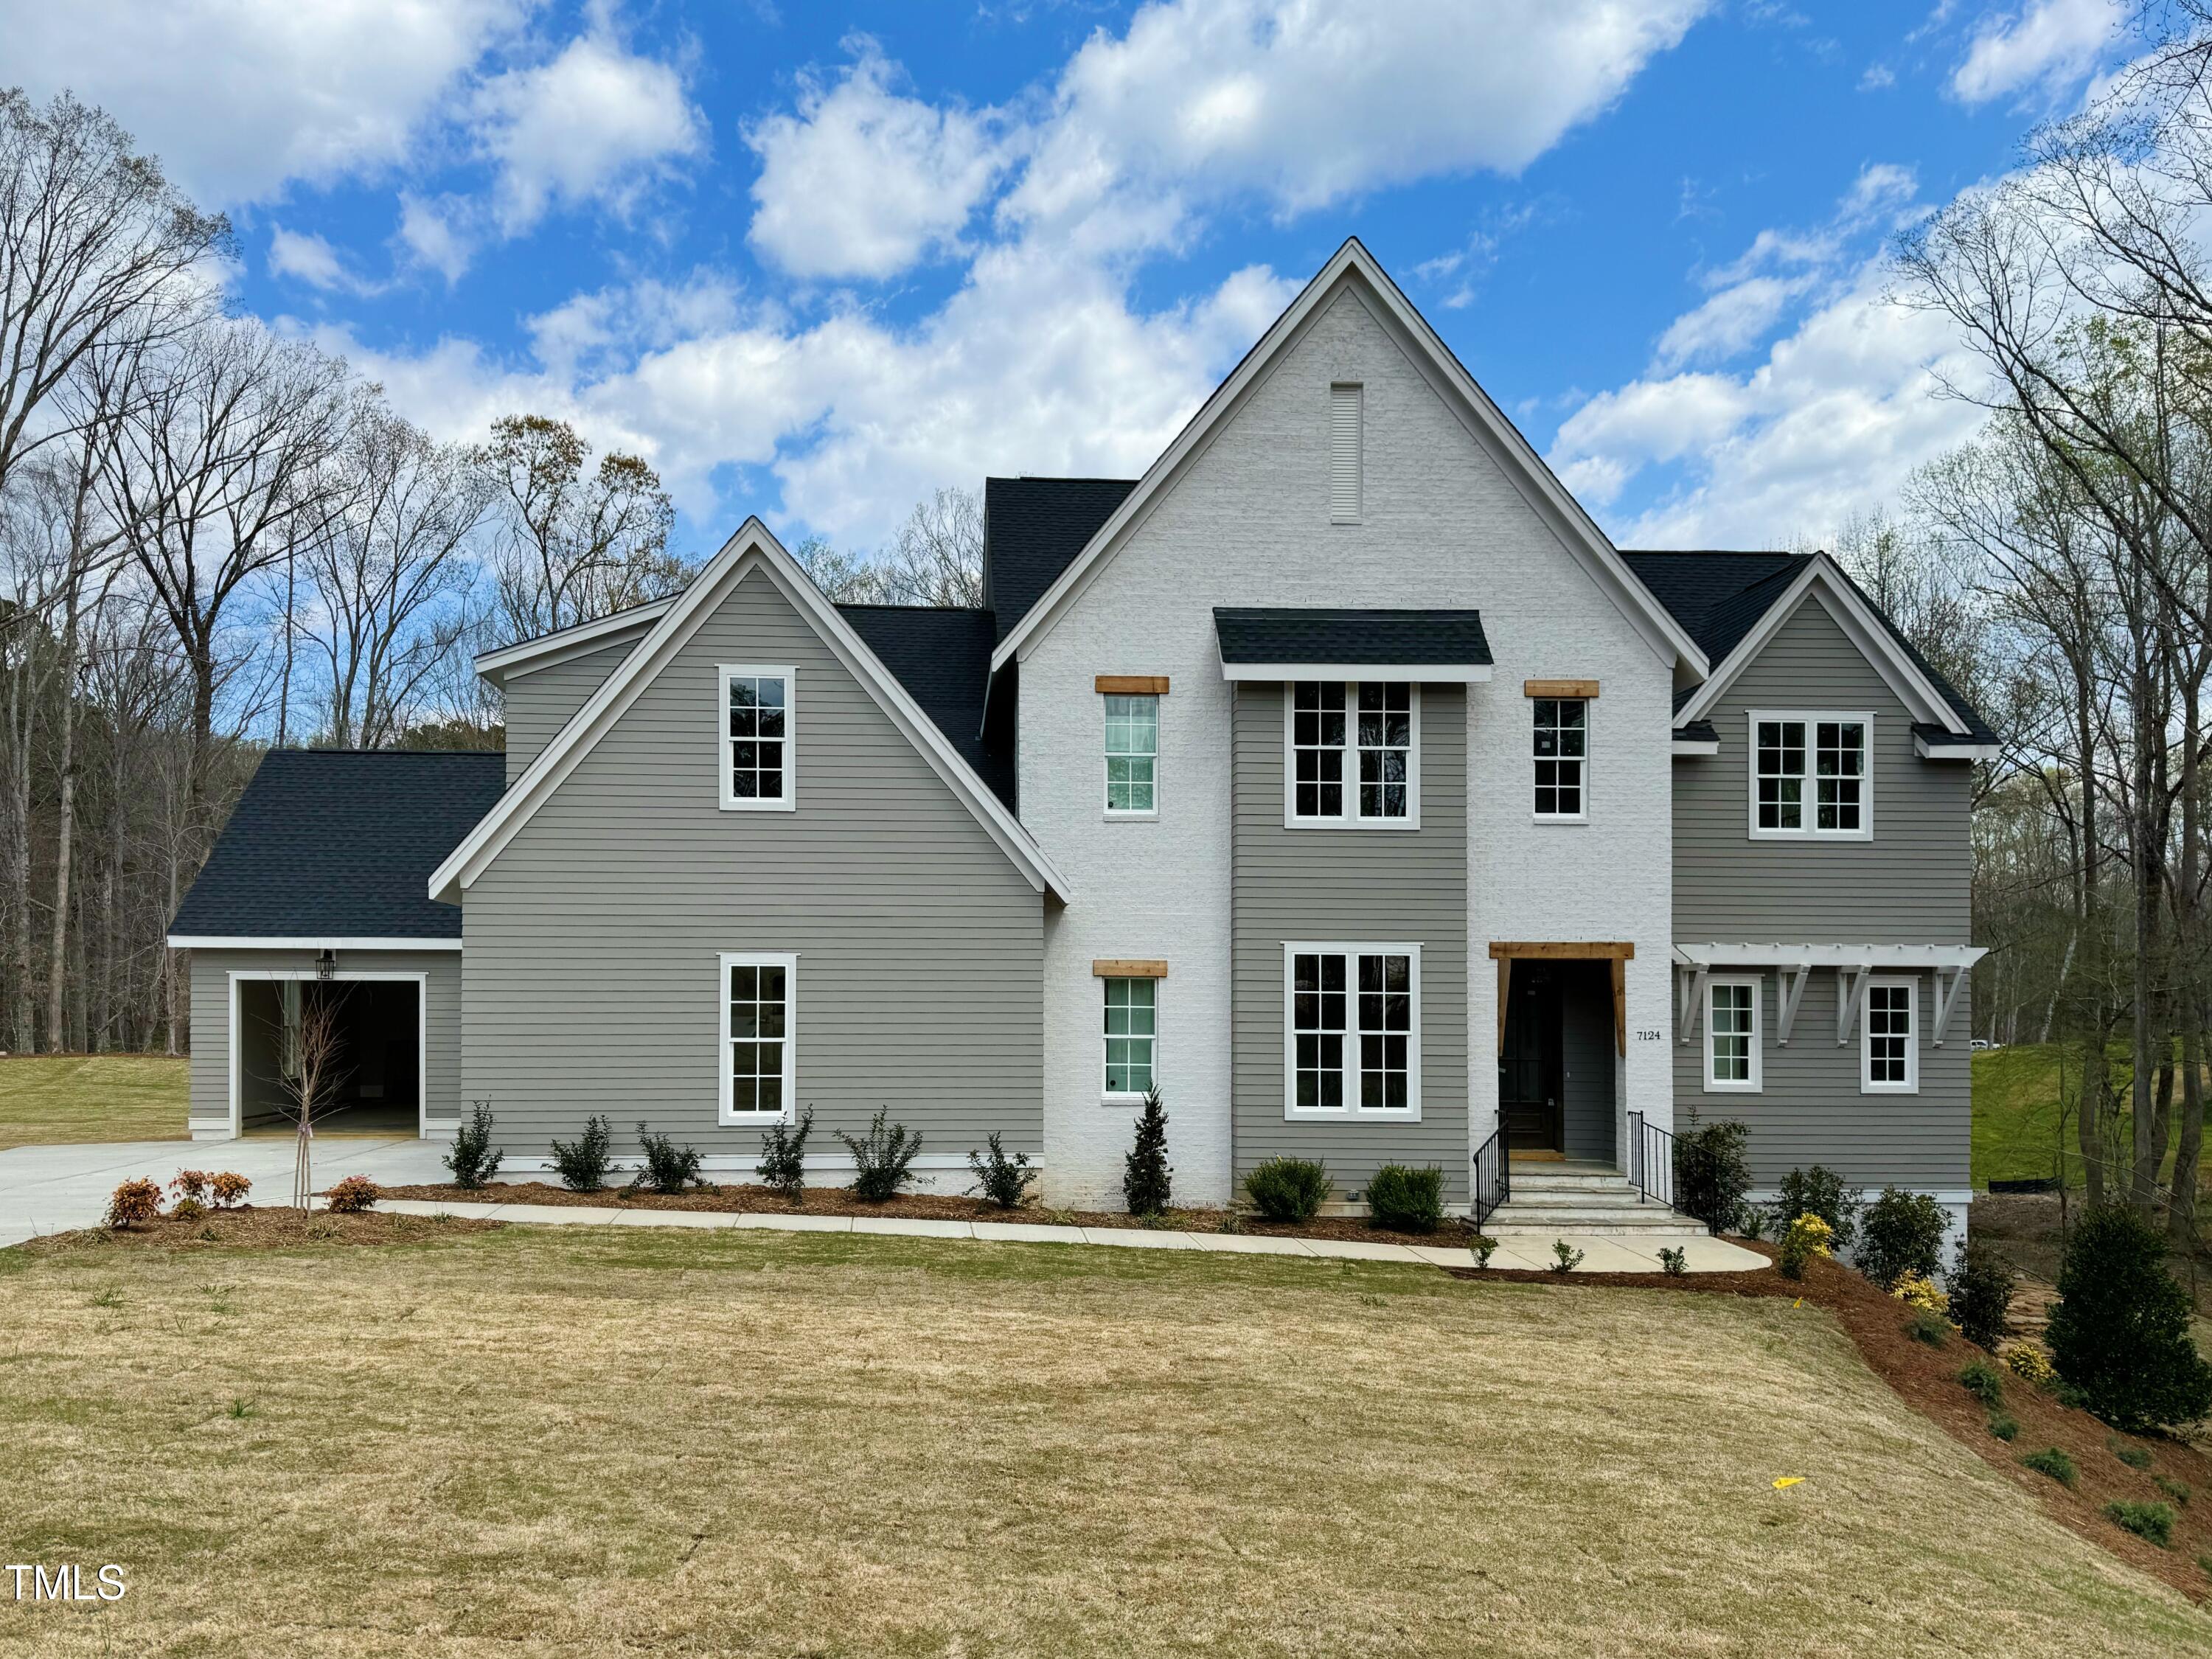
{"x": 266, "y": 1229}
{"x": 919, "y": 1207}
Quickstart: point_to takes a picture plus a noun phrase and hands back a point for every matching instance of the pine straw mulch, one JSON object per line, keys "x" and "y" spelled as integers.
{"x": 267, "y": 1228}
{"x": 915, "y": 1206}
{"x": 1928, "y": 1380}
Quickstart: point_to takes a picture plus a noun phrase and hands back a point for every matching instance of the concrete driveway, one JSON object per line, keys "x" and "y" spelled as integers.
{"x": 51, "y": 1189}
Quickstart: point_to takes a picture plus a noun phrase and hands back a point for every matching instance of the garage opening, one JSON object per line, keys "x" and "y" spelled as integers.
{"x": 375, "y": 1067}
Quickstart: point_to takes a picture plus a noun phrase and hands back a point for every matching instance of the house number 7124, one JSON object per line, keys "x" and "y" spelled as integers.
{"x": 1648, "y": 1035}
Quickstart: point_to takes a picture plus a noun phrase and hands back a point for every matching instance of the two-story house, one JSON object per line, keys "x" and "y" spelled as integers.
{"x": 1338, "y": 777}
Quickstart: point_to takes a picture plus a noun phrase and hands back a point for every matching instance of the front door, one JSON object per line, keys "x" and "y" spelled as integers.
{"x": 1529, "y": 1071}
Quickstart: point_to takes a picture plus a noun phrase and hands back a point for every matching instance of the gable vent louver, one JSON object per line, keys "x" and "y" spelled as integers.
{"x": 1344, "y": 439}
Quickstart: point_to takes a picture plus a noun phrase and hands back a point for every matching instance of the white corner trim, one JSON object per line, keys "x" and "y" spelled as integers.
{"x": 547, "y": 650}
{"x": 270, "y": 942}
{"x": 1954, "y": 751}
{"x": 1419, "y": 673}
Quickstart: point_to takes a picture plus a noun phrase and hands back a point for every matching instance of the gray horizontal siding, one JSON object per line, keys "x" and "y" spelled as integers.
{"x": 1353, "y": 885}
{"x": 540, "y": 703}
{"x": 592, "y": 979}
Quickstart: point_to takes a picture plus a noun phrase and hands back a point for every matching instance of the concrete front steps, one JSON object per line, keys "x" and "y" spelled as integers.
{"x": 1551, "y": 1201}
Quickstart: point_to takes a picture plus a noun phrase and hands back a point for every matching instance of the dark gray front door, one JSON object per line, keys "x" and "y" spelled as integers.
{"x": 1529, "y": 1072}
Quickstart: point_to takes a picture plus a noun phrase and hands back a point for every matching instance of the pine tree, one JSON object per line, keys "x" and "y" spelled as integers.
{"x": 1144, "y": 1183}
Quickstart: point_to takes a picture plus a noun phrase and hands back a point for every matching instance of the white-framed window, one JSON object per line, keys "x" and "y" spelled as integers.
{"x": 760, "y": 1038}
{"x": 1133, "y": 756}
{"x": 1562, "y": 756}
{"x": 1811, "y": 774}
{"x": 1889, "y": 1038}
{"x": 1733, "y": 1020}
{"x": 1346, "y": 413}
{"x": 1353, "y": 754}
{"x": 759, "y": 755}
{"x": 1352, "y": 1030}
{"x": 1132, "y": 1031}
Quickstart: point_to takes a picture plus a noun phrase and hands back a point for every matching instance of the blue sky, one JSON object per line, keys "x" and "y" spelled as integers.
{"x": 815, "y": 260}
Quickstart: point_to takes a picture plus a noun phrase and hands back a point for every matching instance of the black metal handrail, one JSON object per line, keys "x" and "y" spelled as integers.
{"x": 1492, "y": 1181}
{"x": 1650, "y": 1161}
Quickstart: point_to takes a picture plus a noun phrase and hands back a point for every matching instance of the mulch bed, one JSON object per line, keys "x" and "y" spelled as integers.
{"x": 913, "y": 1206}
{"x": 1928, "y": 1380}
{"x": 265, "y": 1228}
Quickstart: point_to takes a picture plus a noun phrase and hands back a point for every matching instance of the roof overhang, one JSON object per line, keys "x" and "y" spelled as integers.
{"x": 1929, "y": 747}
{"x": 1427, "y": 673}
{"x": 1694, "y": 748}
{"x": 1281, "y": 643}
{"x": 306, "y": 942}
{"x": 1720, "y": 955}
{"x": 549, "y": 650}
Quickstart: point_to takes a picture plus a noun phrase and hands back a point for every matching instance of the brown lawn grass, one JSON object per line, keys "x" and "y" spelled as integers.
{"x": 52, "y": 1099}
{"x": 623, "y": 1440}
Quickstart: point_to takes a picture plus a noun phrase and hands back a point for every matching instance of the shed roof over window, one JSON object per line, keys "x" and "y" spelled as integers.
{"x": 1273, "y": 644}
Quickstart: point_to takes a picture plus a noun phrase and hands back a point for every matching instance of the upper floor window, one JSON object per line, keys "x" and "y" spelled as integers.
{"x": 1889, "y": 1047}
{"x": 1354, "y": 753}
{"x": 1809, "y": 776}
{"x": 1344, "y": 438}
{"x": 1562, "y": 751}
{"x": 757, "y": 737}
{"x": 1133, "y": 756}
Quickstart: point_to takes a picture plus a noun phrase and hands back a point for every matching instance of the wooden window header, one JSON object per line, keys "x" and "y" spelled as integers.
{"x": 1559, "y": 688}
{"x": 1128, "y": 968}
{"x": 1133, "y": 685}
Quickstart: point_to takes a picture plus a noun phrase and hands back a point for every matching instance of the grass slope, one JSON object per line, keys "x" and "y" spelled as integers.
{"x": 540, "y": 1441}
{"x": 49, "y": 1099}
{"x": 2016, "y": 1097}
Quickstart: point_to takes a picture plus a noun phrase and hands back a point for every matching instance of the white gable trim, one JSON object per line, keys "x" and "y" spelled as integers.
{"x": 1865, "y": 630}
{"x": 549, "y": 650}
{"x": 1496, "y": 435}
{"x": 752, "y": 549}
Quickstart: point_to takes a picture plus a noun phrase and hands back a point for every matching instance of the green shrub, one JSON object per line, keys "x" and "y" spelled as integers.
{"x": 473, "y": 1161}
{"x": 2176, "y": 1490}
{"x": 1928, "y": 1326}
{"x": 2054, "y": 1462}
{"x": 1484, "y": 1247}
{"x": 133, "y": 1204}
{"x": 881, "y": 1158}
{"x": 352, "y": 1196}
{"x": 1981, "y": 1286}
{"x": 1820, "y": 1191}
{"x": 1565, "y": 1258}
{"x": 2135, "y": 1456}
{"x": 2120, "y": 1330}
{"x": 1753, "y": 1221}
{"x": 1148, "y": 1178}
{"x": 1673, "y": 1262}
{"x": 2151, "y": 1521}
{"x": 2004, "y": 1425}
{"x": 669, "y": 1167}
{"x": 583, "y": 1162}
{"x": 782, "y": 1166}
{"x": 1004, "y": 1178}
{"x": 1712, "y": 1170}
{"x": 1900, "y": 1233}
{"x": 1406, "y": 1200}
{"x": 1806, "y": 1237}
{"x": 1982, "y": 1380}
{"x": 1288, "y": 1188}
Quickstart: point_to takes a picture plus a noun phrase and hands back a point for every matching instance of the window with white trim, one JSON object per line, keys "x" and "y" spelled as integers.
{"x": 1889, "y": 1032}
{"x": 1344, "y": 421}
{"x": 1132, "y": 754}
{"x": 1562, "y": 753}
{"x": 1132, "y": 1032}
{"x": 1353, "y": 1024}
{"x": 757, "y": 737}
{"x": 1809, "y": 776}
{"x": 1733, "y": 1017}
{"x": 1354, "y": 753}
{"x": 759, "y": 1058}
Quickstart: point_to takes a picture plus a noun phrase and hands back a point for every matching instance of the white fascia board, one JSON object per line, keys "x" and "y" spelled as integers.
{"x": 1483, "y": 418}
{"x": 1954, "y": 751}
{"x": 547, "y": 649}
{"x": 1696, "y": 747}
{"x": 1734, "y": 955}
{"x": 751, "y": 548}
{"x": 1426, "y": 673}
{"x": 1861, "y": 626}
{"x": 270, "y": 942}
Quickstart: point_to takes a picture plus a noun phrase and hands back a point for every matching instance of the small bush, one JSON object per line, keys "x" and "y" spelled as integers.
{"x": 1927, "y": 1327}
{"x": 352, "y": 1195}
{"x": 1808, "y": 1236}
{"x": 583, "y": 1162}
{"x": 782, "y": 1166}
{"x": 1820, "y": 1191}
{"x": 669, "y": 1167}
{"x": 881, "y": 1158}
{"x": 2004, "y": 1425}
{"x": 2135, "y": 1456}
{"x": 1982, "y": 1380}
{"x": 1565, "y": 1258}
{"x": 1406, "y": 1200}
{"x": 474, "y": 1161}
{"x": 2027, "y": 1361}
{"x": 1753, "y": 1221}
{"x": 1484, "y": 1247}
{"x": 2152, "y": 1520}
{"x": 1673, "y": 1262}
{"x": 192, "y": 1186}
{"x": 187, "y": 1209}
{"x": 1148, "y": 1178}
{"x": 2176, "y": 1490}
{"x": 1981, "y": 1294}
{"x": 2120, "y": 1330}
{"x": 1004, "y": 1179}
{"x": 1288, "y": 1188}
{"x": 133, "y": 1204}
{"x": 1916, "y": 1292}
{"x": 1901, "y": 1233}
{"x": 229, "y": 1189}
{"x": 1712, "y": 1170}
{"x": 2054, "y": 1462}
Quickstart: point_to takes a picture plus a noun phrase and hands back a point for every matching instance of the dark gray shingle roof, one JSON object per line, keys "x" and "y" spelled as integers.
{"x": 1408, "y": 637}
{"x": 943, "y": 658}
{"x": 1033, "y": 528}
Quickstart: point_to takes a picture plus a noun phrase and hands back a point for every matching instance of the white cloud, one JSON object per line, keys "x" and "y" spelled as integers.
{"x": 863, "y": 181}
{"x": 311, "y": 259}
{"x": 432, "y": 234}
{"x": 1734, "y": 319}
{"x": 2049, "y": 44}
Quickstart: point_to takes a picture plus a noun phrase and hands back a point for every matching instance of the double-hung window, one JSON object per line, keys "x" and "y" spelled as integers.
{"x": 1132, "y": 1032}
{"x": 1562, "y": 751}
{"x": 1732, "y": 1029}
{"x": 1353, "y": 1029}
{"x": 760, "y": 1049}
{"x": 1889, "y": 1047}
{"x": 756, "y": 746}
{"x": 1133, "y": 756}
{"x": 1354, "y": 749}
{"x": 1809, "y": 776}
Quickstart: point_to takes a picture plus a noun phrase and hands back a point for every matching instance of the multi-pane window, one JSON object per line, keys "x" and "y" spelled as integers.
{"x": 757, "y": 740}
{"x": 757, "y": 1037}
{"x": 1131, "y": 1029}
{"x": 1890, "y": 1057}
{"x": 1372, "y": 723}
{"x": 1809, "y": 776}
{"x": 1133, "y": 754}
{"x": 1353, "y": 1018}
{"x": 1732, "y": 1034}
{"x": 1562, "y": 747}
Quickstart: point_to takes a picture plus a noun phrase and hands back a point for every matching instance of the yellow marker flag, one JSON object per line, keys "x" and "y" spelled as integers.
{"x": 1788, "y": 1480}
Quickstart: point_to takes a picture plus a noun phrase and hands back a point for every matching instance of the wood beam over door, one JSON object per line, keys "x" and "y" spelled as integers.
{"x": 1618, "y": 952}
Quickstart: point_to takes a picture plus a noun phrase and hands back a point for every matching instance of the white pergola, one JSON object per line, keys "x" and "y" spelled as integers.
{"x": 1853, "y": 965}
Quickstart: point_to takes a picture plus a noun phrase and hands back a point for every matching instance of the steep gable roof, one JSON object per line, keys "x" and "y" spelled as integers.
{"x": 1033, "y": 530}
{"x": 942, "y": 656}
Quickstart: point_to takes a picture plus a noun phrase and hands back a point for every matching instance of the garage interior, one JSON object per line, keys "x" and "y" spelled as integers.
{"x": 375, "y": 1071}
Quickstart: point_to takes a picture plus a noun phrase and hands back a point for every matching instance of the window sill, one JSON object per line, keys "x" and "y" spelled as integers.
{"x": 751, "y": 1119}
{"x": 1579, "y": 820}
{"x": 784, "y": 806}
{"x": 1124, "y": 1102}
{"x": 1811, "y": 834}
{"x": 1112, "y": 817}
{"x": 1313, "y": 1115}
{"x": 1385, "y": 824}
{"x": 1735, "y": 1089}
{"x": 1889, "y": 1088}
